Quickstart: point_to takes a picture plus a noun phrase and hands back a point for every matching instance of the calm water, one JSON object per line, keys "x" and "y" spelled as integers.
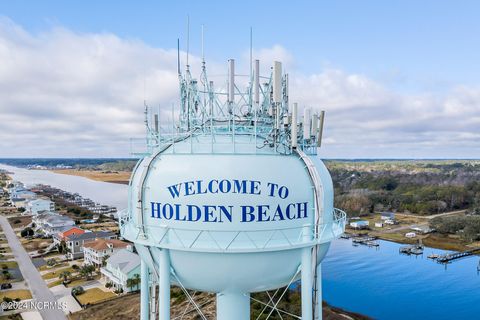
{"x": 102, "y": 192}
{"x": 379, "y": 282}
{"x": 383, "y": 284}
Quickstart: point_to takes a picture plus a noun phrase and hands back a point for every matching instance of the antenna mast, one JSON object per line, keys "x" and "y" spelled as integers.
{"x": 188, "y": 37}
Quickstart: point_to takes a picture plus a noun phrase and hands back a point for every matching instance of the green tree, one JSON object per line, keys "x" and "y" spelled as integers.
{"x": 136, "y": 279}
{"x": 65, "y": 275}
{"x": 130, "y": 283}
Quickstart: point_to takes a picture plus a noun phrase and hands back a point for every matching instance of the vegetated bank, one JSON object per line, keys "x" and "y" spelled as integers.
{"x": 420, "y": 192}
{"x": 128, "y": 308}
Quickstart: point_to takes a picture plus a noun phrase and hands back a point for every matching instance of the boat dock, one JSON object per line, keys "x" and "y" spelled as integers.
{"x": 368, "y": 241}
{"x": 415, "y": 249}
{"x": 446, "y": 258}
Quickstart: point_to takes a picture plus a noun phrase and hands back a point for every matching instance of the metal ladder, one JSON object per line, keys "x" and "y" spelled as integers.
{"x": 317, "y": 192}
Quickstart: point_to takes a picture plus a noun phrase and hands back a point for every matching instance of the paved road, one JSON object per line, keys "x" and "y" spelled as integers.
{"x": 38, "y": 287}
{"x": 420, "y": 224}
{"x": 450, "y": 213}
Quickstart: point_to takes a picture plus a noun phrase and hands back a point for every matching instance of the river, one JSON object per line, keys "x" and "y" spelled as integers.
{"x": 111, "y": 194}
{"x": 378, "y": 282}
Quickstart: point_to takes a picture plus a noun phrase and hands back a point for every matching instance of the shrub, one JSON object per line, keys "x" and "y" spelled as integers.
{"x": 51, "y": 262}
{"x": 78, "y": 290}
{"x": 27, "y": 232}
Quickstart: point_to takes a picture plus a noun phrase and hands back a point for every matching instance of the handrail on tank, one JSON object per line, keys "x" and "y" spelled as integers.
{"x": 324, "y": 233}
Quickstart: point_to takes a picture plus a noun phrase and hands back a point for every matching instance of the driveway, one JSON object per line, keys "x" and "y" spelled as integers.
{"x": 38, "y": 287}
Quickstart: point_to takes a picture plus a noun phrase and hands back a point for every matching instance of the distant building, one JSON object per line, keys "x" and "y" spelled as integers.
{"x": 50, "y": 223}
{"x": 62, "y": 235}
{"x": 120, "y": 267}
{"x": 95, "y": 252}
{"x": 391, "y": 222}
{"x": 422, "y": 229}
{"x": 387, "y": 216}
{"x": 33, "y": 207}
{"x": 379, "y": 224}
{"x": 20, "y": 193}
{"x": 19, "y": 202}
{"x": 361, "y": 224}
{"x": 75, "y": 242}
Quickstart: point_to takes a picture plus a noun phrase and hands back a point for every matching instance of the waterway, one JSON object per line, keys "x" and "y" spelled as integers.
{"x": 384, "y": 284}
{"x": 111, "y": 194}
{"x": 378, "y": 282}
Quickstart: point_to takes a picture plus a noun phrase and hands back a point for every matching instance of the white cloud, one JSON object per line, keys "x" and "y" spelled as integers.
{"x": 64, "y": 93}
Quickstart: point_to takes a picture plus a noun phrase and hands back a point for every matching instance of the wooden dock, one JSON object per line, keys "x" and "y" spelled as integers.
{"x": 368, "y": 241}
{"x": 414, "y": 249}
{"x": 446, "y": 258}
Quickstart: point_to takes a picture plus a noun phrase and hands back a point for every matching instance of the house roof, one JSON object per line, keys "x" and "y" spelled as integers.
{"x": 360, "y": 222}
{"x": 54, "y": 218}
{"x": 102, "y": 244}
{"x": 125, "y": 260}
{"x": 389, "y": 214}
{"x": 31, "y": 202}
{"x": 90, "y": 235}
{"x": 70, "y": 231}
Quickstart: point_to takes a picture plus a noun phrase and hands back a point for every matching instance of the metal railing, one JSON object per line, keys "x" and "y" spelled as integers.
{"x": 234, "y": 240}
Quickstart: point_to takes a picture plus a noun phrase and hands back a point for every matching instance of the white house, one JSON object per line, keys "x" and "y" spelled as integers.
{"x": 20, "y": 193}
{"x": 51, "y": 223}
{"x": 33, "y": 207}
{"x": 387, "y": 216}
{"x": 361, "y": 224}
{"x": 120, "y": 267}
{"x": 422, "y": 229}
{"x": 95, "y": 252}
{"x": 75, "y": 242}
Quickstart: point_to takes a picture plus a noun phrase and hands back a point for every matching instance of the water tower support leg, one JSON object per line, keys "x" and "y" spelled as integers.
{"x": 307, "y": 277}
{"x": 307, "y": 280}
{"x": 144, "y": 291}
{"x": 164, "y": 285}
{"x": 233, "y": 306}
{"x": 319, "y": 315}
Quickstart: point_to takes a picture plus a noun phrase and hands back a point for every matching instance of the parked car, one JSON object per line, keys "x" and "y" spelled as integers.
{"x": 6, "y": 286}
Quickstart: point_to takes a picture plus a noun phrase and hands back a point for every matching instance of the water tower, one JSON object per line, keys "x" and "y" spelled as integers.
{"x": 233, "y": 199}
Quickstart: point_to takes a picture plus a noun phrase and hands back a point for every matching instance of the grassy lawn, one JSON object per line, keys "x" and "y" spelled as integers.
{"x": 19, "y": 222}
{"x": 13, "y": 294}
{"x": 55, "y": 274}
{"x": 94, "y": 295}
{"x": 55, "y": 283}
{"x": 5, "y": 250}
{"x": 81, "y": 281}
{"x": 36, "y": 244}
{"x": 46, "y": 267}
{"x": 9, "y": 264}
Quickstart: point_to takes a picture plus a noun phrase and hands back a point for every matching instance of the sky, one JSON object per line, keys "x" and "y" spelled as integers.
{"x": 397, "y": 79}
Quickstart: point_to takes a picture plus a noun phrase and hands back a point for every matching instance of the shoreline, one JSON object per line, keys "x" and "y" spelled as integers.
{"x": 434, "y": 241}
{"x": 121, "y": 177}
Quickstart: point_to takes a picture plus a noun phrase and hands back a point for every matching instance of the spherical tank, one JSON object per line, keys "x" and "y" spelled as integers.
{"x": 232, "y": 209}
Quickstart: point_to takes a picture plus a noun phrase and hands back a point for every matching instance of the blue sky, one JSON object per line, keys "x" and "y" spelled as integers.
{"x": 398, "y": 79}
{"x": 412, "y": 45}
